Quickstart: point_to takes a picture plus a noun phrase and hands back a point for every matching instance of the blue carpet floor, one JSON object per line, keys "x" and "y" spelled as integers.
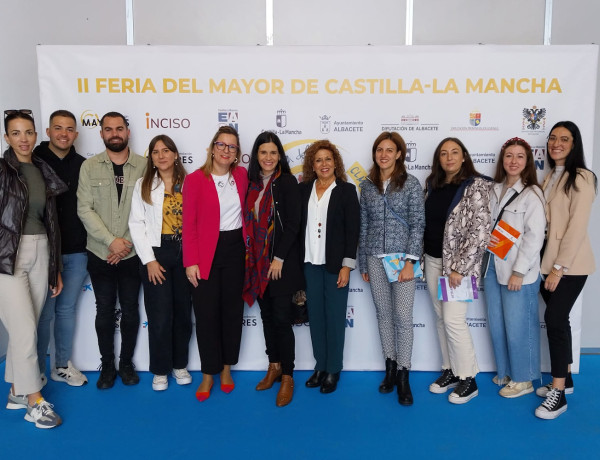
{"x": 355, "y": 422}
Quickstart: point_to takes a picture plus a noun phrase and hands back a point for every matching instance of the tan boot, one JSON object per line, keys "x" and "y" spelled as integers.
{"x": 286, "y": 391}
{"x": 273, "y": 374}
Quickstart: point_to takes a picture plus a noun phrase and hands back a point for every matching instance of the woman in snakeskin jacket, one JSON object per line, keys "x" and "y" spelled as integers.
{"x": 457, "y": 229}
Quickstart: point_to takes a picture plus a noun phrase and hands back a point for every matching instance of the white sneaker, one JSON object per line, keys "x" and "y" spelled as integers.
{"x": 182, "y": 376}
{"x": 516, "y": 389}
{"x": 42, "y": 415}
{"x": 160, "y": 383}
{"x": 69, "y": 375}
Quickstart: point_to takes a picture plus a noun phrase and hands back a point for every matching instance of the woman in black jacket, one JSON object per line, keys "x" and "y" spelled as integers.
{"x": 28, "y": 261}
{"x": 273, "y": 272}
{"x": 330, "y": 228}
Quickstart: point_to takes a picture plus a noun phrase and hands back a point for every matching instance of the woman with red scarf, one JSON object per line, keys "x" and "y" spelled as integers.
{"x": 273, "y": 271}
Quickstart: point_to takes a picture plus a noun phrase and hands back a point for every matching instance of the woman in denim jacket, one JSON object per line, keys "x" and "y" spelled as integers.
{"x": 511, "y": 283}
{"x": 392, "y": 220}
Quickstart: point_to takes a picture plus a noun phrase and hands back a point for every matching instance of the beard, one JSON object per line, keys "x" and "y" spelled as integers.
{"x": 116, "y": 146}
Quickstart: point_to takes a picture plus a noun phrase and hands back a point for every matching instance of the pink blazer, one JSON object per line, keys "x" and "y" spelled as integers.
{"x": 201, "y": 217}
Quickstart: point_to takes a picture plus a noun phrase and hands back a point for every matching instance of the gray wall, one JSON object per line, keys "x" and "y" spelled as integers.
{"x": 309, "y": 22}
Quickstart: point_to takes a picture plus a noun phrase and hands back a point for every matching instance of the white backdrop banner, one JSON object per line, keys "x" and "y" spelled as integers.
{"x": 482, "y": 94}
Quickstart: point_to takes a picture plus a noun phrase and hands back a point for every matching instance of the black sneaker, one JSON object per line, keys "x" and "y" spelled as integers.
{"x": 444, "y": 381}
{"x": 464, "y": 391}
{"x": 127, "y": 373}
{"x": 554, "y": 405}
{"x": 569, "y": 388}
{"x": 108, "y": 375}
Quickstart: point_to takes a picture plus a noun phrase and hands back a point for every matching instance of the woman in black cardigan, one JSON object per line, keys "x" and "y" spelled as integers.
{"x": 329, "y": 236}
{"x": 273, "y": 271}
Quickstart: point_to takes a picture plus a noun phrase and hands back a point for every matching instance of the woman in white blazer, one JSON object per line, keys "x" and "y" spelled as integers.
{"x": 155, "y": 223}
{"x": 512, "y": 281}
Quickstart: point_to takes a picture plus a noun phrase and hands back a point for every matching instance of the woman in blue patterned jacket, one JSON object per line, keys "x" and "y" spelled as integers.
{"x": 392, "y": 220}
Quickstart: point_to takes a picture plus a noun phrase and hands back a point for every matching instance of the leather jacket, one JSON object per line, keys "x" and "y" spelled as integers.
{"x": 13, "y": 209}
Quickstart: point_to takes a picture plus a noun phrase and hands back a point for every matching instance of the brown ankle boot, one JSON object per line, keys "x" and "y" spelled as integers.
{"x": 286, "y": 391}
{"x": 273, "y": 375}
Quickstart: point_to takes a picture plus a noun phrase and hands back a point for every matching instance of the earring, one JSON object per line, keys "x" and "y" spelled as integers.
{"x": 212, "y": 155}
{"x": 235, "y": 161}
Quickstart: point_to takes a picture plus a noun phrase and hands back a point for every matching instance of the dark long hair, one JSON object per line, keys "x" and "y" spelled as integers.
{"x": 437, "y": 177}
{"x": 399, "y": 174}
{"x": 254, "y": 167}
{"x": 179, "y": 172}
{"x": 528, "y": 175}
{"x": 575, "y": 159}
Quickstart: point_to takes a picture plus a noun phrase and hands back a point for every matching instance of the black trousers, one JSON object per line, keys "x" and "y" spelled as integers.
{"x": 276, "y": 314}
{"x": 108, "y": 281}
{"x": 169, "y": 310}
{"x": 219, "y": 307}
{"x": 558, "y": 306}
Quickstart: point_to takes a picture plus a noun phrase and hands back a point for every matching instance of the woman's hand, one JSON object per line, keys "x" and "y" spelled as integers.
{"x": 455, "y": 279}
{"x": 155, "y": 272}
{"x": 553, "y": 279}
{"x": 514, "y": 283}
{"x": 365, "y": 277}
{"x": 193, "y": 274}
{"x": 56, "y": 290}
{"x": 275, "y": 268}
{"x": 407, "y": 273}
{"x": 493, "y": 241}
{"x": 343, "y": 277}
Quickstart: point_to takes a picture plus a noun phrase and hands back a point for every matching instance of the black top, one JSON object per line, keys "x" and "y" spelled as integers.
{"x": 437, "y": 205}
{"x": 343, "y": 223}
{"x": 73, "y": 234}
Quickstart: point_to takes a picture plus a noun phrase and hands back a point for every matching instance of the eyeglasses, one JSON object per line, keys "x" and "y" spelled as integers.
{"x": 15, "y": 111}
{"x": 232, "y": 148}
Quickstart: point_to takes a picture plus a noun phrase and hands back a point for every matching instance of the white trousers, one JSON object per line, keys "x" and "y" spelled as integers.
{"x": 456, "y": 343}
{"x": 22, "y": 297}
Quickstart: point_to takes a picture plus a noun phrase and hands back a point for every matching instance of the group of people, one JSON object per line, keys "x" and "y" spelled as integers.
{"x": 222, "y": 235}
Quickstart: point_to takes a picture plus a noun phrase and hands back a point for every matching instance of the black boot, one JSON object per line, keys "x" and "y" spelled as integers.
{"x": 405, "y": 396}
{"x": 387, "y": 384}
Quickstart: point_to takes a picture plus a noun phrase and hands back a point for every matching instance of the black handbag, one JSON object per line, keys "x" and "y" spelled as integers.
{"x": 299, "y": 308}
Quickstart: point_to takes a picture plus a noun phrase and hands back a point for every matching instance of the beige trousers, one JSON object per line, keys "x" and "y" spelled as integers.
{"x": 456, "y": 343}
{"x": 22, "y": 297}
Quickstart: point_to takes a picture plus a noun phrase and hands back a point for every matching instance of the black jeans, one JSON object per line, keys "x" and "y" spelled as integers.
{"x": 218, "y": 305}
{"x": 169, "y": 310}
{"x": 558, "y": 306}
{"x": 276, "y": 314}
{"x": 108, "y": 281}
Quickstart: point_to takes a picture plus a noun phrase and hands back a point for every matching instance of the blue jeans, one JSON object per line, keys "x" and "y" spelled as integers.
{"x": 513, "y": 318}
{"x": 62, "y": 310}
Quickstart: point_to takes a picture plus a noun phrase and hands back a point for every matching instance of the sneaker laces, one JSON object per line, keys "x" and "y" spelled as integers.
{"x": 44, "y": 408}
{"x": 552, "y": 399}
{"x": 463, "y": 386}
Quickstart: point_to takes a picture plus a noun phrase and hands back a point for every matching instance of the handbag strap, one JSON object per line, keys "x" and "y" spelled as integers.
{"x": 512, "y": 198}
{"x": 394, "y": 213}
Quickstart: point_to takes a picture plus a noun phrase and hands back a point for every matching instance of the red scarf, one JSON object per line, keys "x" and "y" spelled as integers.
{"x": 259, "y": 231}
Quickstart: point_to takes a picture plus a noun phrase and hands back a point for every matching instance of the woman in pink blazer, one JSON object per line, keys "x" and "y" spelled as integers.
{"x": 569, "y": 189}
{"x": 214, "y": 253}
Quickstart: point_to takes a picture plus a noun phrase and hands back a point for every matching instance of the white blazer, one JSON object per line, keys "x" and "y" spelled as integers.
{"x": 145, "y": 220}
{"x": 527, "y": 215}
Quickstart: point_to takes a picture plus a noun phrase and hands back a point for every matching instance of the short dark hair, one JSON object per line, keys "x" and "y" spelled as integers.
{"x": 113, "y": 115}
{"x": 63, "y": 113}
{"x": 254, "y": 167}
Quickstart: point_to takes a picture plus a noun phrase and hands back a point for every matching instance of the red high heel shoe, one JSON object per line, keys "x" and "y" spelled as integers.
{"x": 203, "y": 395}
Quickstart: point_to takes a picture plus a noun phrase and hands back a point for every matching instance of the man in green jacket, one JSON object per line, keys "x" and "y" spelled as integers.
{"x": 106, "y": 183}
